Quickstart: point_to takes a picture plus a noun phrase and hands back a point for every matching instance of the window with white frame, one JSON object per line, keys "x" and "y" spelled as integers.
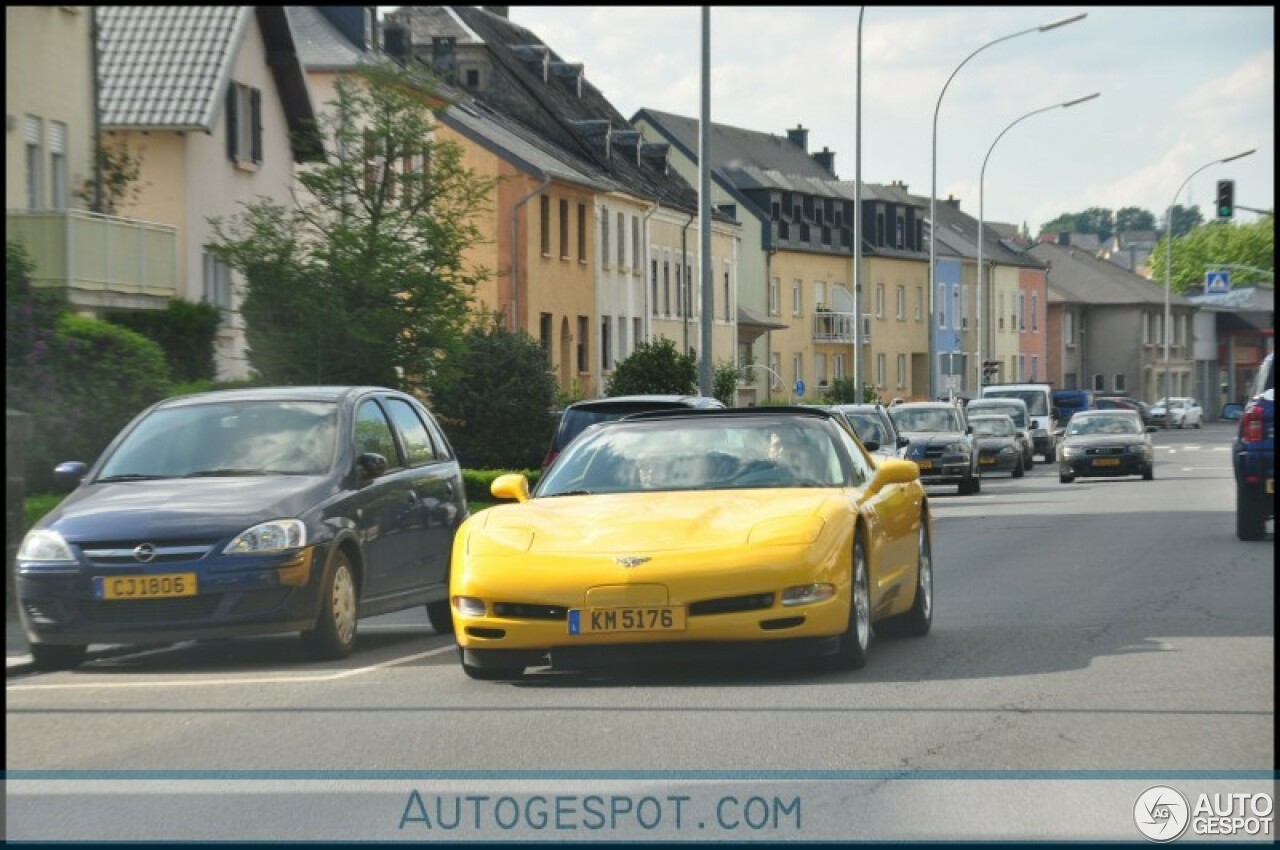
{"x": 902, "y": 303}
{"x": 637, "y": 332}
{"x": 902, "y": 371}
{"x": 564, "y": 228}
{"x": 775, "y": 365}
{"x": 1035, "y": 367}
{"x": 1022, "y": 316}
{"x": 636, "y": 263}
{"x": 879, "y": 300}
{"x": 957, "y": 308}
{"x": 1035, "y": 312}
{"x": 1146, "y": 328}
{"x": 604, "y": 237}
{"x": 217, "y": 284}
{"x": 32, "y": 130}
{"x": 1022, "y": 367}
{"x": 942, "y": 305}
{"x": 653, "y": 263}
{"x": 880, "y": 370}
{"x": 1000, "y": 312}
{"x": 797, "y": 368}
{"x": 819, "y": 294}
{"x": 837, "y": 366}
{"x": 622, "y": 338}
{"x": 797, "y": 298}
{"x": 681, "y": 296}
{"x": 728, "y": 293}
{"x": 820, "y": 369}
{"x": 1069, "y": 328}
{"x": 666, "y": 282}
{"x": 1099, "y": 382}
{"x": 622, "y": 240}
{"x": 919, "y": 303}
{"x": 606, "y": 342}
{"x": 59, "y": 189}
{"x": 775, "y": 294}
{"x": 244, "y": 124}
{"x": 1117, "y": 383}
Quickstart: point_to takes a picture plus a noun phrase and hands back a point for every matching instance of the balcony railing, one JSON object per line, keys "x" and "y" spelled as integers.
{"x": 102, "y": 260}
{"x": 833, "y": 327}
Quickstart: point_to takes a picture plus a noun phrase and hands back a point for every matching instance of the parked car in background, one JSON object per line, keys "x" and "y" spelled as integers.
{"x": 1015, "y": 409}
{"x": 1253, "y": 457}
{"x": 1071, "y": 402}
{"x": 997, "y": 442}
{"x": 1044, "y": 417}
{"x": 874, "y": 426}
{"x": 1106, "y": 443}
{"x": 1125, "y": 403}
{"x": 1181, "y": 412}
{"x": 245, "y": 512}
{"x": 941, "y": 443}
{"x": 696, "y": 535}
{"x": 578, "y": 416}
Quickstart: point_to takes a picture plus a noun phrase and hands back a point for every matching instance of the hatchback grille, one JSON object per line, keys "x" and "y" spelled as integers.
{"x": 122, "y": 552}
{"x": 1107, "y": 450}
{"x": 524, "y": 611}
{"x": 933, "y": 452}
{"x": 149, "y": 610}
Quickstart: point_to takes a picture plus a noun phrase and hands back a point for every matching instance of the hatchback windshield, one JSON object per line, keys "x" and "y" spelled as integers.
{"x": 940, "y": 419}
{"x": 1034, "y": 399}
{"x": 226, "y": 439}
{"x": 992, "y": 426}
{"x": 868, "y": 427}
{"x": 1120, "y": 424}
{"x": 1013, "y": 411}
{"x": 719, "y": 454}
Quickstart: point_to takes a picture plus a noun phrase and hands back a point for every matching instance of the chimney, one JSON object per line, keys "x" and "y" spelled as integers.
{"x": 953, "y": 201}
{"x": 500, "y": 11}
{"x": 396, "y": 41}
{"x": 898, "y": 184}
{"x": 799, "y": 137}
{"x": 443, "y": 56}
{"x": 827, "y": 159}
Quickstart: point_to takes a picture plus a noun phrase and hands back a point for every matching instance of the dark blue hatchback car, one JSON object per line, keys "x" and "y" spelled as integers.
{"x": 246, "y": 512}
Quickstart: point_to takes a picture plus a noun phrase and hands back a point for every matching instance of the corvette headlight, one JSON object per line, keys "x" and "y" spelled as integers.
{"x": 468, "y": 606}
{"x": 807, "y": 593}
{"x": 45, "y": 546}
{"x": 274, "y": 536}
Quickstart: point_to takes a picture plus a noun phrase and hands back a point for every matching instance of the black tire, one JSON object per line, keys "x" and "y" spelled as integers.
{"x": 917, "y": 621}
{"x": 1018, "y": 471}
{"x": 53, "y": 656}
{"x": 970, "y": 485}
{"x": 335, "y": 633}
{"x": 1251, "y": 516}
{"x": 1031, "y": 460}
{"x": 1149, "y": 473}
{"x": 489, "y": 674}
{"x": 440, "y": 613}
{"x": 856, "y": 639}
{"x": 1197, "y": 426}
{"x": 1065, "y": 479}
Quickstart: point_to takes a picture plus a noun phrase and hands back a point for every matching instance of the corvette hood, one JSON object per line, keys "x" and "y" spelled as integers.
{"x": 656, "y": 522}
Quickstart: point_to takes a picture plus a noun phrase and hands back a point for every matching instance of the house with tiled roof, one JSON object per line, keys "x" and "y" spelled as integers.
{"x": 55, "y": 204}
{"x": 591, "y": 269}
{"x": 214, "y": 102}
{"x": 1107, "y": 328}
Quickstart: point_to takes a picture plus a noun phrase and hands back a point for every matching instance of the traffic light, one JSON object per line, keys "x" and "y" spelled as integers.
{"x": 1226, "y": 198}
{"x": 989, "y": 369}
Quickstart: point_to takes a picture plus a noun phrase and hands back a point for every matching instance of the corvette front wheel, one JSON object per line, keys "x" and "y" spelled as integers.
{"x": 857, "y": 637}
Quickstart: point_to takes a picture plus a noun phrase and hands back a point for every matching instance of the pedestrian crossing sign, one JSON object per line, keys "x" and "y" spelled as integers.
{"x": 1217, "y": 282}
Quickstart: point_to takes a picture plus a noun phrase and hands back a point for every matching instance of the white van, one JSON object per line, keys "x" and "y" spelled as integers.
{"x": 1039, "y": 400}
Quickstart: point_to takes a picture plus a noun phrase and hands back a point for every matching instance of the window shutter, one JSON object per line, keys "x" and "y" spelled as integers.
{"x": 32, "y": 130}
{"x": 255, "y": 105}
{"x": 57, "y": 137}
{"x": 233, "y": 127}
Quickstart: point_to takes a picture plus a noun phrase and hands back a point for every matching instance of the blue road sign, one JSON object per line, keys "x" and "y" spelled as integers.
{"x": 800, "y": 388}
{"x": 1217, "y": 282}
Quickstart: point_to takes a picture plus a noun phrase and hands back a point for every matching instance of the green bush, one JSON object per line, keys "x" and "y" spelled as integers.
{"x": 185, "y": 330}
{"x": 35, "y": 507}
{"x": 654, "y": 367}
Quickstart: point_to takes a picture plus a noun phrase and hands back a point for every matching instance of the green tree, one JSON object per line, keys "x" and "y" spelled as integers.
{"x": 843, "y": 391}
{"x": 654, "y": 367}
{"x": 1129, "y": 219}
{"x": 1185, "y": 220}
{"x": 186, "y": 330}
{"x": 724, "y": 383}
{"x": 1251, "y": 245}
{"x": 496, "y": 400}
{"x": 364, "y": 281}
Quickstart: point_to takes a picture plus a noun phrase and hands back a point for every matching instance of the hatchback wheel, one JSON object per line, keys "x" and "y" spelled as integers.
{"x": 1251, "y": 516}
{"x": 52, "y": 656}
{"x": 1018, "y": 471}
{"x": 335, "y": 633}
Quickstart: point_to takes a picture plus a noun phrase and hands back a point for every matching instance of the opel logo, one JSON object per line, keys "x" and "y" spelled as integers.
{"x": 145, "y": 553}
{"x": 631, "y": 561}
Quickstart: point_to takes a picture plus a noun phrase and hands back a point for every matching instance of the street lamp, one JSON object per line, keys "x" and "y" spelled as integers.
{"x": 1168, "y": 276}
{"x": 748, "y": 366}
{"x": 981, "y": 202}
{"x": 857, "y": 222}
{"x": 933, "y": 193}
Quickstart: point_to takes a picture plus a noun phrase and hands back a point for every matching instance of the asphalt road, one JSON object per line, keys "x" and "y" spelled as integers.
{"x": 1106, "y": 625}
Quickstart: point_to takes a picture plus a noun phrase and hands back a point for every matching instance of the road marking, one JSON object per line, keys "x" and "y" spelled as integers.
{"x": 268, "y": 680}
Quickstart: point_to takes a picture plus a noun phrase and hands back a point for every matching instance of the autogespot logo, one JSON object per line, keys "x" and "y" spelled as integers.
{"x": 1161, "y": 813}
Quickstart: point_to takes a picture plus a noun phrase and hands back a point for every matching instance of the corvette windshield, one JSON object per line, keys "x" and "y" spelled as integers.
{"x": 723, "y": 453}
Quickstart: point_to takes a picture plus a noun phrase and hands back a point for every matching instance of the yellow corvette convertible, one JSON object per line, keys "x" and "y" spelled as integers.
{"x": 695, "y": 535}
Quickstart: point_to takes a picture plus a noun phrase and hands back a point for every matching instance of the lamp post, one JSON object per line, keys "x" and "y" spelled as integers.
{"x": 933, "y": 192}
{"x": 1168, "y": 276}
{"x": 749, "y": 366}
{"x": 857, "y": 223}
{"x": 981, "y": 202}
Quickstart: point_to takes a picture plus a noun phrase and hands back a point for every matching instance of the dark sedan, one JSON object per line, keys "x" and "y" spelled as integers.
{"x": 1105, "y": 443}
{"x": 941, "y": 443}
{"x": 998, "y": 449}
{"x": 875, "y": 428}
{"x": 246, "y": 512}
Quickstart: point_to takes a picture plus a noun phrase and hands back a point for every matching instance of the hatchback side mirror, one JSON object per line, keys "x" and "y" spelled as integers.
{"x": 871, "y": 445}
{"x": 69, "y": 474}
{"x": 370, "y": 465}
{"x": 903, "y": 442}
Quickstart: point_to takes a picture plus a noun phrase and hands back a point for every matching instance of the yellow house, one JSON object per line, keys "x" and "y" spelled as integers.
{"x": 214, "y": 102}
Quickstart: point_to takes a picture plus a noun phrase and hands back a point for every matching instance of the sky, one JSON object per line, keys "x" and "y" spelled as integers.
{"x": 1180, "y": 87}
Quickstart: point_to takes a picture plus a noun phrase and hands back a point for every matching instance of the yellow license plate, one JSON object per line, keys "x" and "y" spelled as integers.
{"x": 1107, "y": 461}
{"x": 165, "y": 586}
{"x": 586, "y": 621}
{"x": 987, "y": 461}
{"x": 925, "y": 464}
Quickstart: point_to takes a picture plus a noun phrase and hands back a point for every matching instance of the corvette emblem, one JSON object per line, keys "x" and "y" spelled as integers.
{"x": 630, "y": 562}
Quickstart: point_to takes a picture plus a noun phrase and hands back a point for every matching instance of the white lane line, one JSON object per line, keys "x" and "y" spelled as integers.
{"x": 267, "y": 680}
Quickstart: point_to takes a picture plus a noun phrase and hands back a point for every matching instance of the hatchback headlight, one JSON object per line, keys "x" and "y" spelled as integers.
{"x": 274, "y": 536}
{"x": 1071, "y": 451}
{"x": 955, "y": 450}
{"x": 46, "y": 546}
{"x": 1007, "y": 450}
